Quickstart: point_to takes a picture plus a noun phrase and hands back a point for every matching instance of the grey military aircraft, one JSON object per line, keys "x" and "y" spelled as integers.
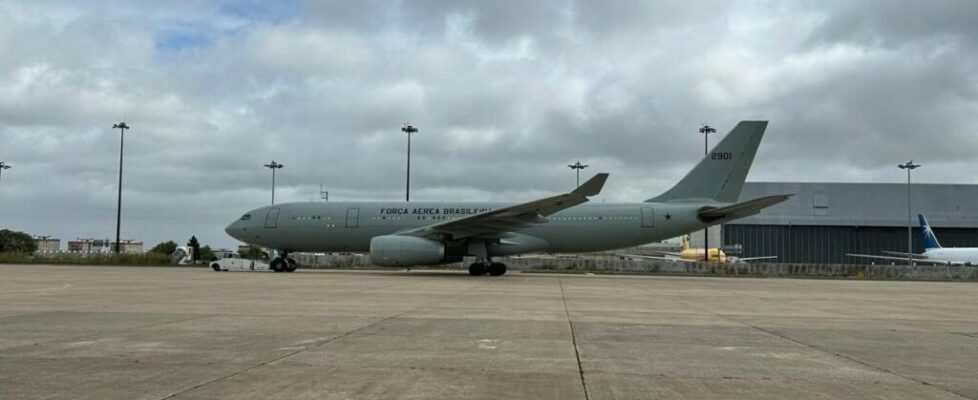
{"x": 430, "y": 233}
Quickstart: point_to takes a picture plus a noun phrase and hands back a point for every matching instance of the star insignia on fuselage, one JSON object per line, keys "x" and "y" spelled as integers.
{"x": 668, "y": 217}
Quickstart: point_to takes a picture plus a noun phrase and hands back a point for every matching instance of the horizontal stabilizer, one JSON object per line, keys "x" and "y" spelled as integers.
{"x": 744, "y": 209}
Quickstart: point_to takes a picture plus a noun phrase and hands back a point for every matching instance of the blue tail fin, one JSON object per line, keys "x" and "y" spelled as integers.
{"x": 930, "y": 241}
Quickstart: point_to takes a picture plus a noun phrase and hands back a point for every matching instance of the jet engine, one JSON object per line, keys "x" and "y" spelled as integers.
{"x": 394, "y": 250}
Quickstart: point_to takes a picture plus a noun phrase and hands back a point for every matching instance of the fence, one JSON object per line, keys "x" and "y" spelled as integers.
{"x": 618, "y": 265}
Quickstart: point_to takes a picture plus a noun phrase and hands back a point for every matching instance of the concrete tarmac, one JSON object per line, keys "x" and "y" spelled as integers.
{"x": 77, "y": 332}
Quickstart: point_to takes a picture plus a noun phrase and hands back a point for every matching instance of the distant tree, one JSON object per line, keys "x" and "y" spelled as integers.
{"x": 16, "y": 242}
{"x": 194, "y": 245}
{"x": 167, "y": 247}
{"x": 206, "y": 253}
{"x": 251, "y": 253}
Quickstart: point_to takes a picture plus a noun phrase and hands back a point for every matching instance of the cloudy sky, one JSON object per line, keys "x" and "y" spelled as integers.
{"x": 505, "y": 93}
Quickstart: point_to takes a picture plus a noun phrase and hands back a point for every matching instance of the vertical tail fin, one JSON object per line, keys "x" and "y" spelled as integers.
{"x": 685, "y": 243}
{"x": 930, "y": 240}
{"x": 720, "y": 175}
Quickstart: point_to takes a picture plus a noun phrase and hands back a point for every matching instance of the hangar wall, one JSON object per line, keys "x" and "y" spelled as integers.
{"x": 824, "y": 221}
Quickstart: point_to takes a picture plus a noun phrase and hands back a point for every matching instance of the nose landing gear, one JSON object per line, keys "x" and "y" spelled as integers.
{"x": 284, "y": 263}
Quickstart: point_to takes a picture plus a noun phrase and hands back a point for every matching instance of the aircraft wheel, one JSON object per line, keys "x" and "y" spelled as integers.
{"x": 476, "y": 269}
{"x": 278, "y": 265}
{"x": 291, "y": 265}
{"x": 497, "y": 269}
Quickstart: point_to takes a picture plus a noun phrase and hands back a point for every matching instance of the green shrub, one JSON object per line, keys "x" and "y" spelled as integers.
{"x": 16, "y": 242}
{"x": 90, "y": 259}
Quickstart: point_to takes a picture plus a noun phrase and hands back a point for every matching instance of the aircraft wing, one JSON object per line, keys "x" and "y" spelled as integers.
{"x": 755, "y": 258}
{"x": 904, "y": 255}
{"x": 743, "y": 209}
{"x": 514, "y": 217}
{"x": 892, "y": 258}
{"x": 647, "y": 257}
{"x": 666, "y": 253}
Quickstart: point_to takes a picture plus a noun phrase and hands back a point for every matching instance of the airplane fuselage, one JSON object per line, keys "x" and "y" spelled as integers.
{"x": 349, "y": 226}
{"x": 427, "y": 233}
{"x": 954, "y": 255}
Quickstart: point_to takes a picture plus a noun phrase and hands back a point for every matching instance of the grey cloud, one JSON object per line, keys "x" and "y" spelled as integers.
{"x": 505, "y": 93}
{"x": 893, "y": 23}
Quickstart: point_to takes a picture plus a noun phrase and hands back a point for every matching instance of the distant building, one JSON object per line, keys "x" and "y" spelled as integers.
{"x": 104, "y": 246}
{"x": 224, "y": 253}
{"x": 47, "y": 244}
{"x": 129, "y": 247}
{"x": 245, "y": 249}
{"x": 88, "y": 245}
{"x": 824, "y": 221}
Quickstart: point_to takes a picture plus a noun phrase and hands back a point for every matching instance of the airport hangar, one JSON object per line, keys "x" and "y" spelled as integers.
{"x": 824, "y": 221}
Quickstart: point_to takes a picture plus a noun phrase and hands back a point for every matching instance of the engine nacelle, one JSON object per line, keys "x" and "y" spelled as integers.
{"x": 393, "y": 250}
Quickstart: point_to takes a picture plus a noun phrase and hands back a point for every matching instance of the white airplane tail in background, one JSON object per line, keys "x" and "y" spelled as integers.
{"x": 930, "y": 240}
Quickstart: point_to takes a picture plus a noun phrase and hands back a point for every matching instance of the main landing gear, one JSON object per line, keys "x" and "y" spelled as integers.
{"x": 284, "y": 264}
{"x": 487, "y": 267}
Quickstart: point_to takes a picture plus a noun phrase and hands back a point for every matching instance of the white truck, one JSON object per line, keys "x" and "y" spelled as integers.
{"x": 239, "y": 264}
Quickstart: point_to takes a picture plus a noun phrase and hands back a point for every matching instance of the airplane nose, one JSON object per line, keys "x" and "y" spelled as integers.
{"x": 232, "y": 229}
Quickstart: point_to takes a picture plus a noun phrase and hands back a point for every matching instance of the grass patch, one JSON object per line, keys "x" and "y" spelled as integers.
{"x": 153, "y": 259}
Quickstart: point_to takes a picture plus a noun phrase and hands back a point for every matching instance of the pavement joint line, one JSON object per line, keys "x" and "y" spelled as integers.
{"x": 20, "y": 313}
{"x": 292, "y": 353}
{"x": 577, "y": 352}
{"x": 100, "y": 333}
{"x": 64, "y": 285}
{"x": 965, "y": 334}
{"x": 849, "y": 358}
{"x": 279, "y": 358}
{"x": 816, "y": 348}
{"x": 831, "y": 353}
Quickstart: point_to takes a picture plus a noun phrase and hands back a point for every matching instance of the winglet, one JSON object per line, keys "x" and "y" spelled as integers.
{"x": 593, "y": 186}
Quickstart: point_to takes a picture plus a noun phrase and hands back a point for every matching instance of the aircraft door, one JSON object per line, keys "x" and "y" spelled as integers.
{"x": 271, "y": 219}
{"x": 352, "y": 217}
{"x": 648, "y": 217}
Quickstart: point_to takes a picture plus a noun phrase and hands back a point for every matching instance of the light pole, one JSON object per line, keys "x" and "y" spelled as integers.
{"x": 909, "y": 166}
{"x": 273, "y": 166}
{"x": 408, "y": 129}
{"x": 3, "y": 166}
{"x": 118, "y": 210}
{"x": 706, "y": 130}
{"x": 578, "y": 166}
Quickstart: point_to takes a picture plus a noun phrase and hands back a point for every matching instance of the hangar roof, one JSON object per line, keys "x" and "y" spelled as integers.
{"x": 864, "y": 204}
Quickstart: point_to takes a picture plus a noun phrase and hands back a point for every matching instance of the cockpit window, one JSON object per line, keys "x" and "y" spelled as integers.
{"x": 246, "y": 217}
